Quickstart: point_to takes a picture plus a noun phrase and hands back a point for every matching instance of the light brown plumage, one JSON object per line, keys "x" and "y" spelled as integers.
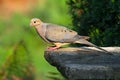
{"x": 59, "y": 35}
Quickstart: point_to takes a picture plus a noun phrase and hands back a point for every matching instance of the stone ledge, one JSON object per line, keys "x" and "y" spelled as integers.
{"x": 86, "y": 62}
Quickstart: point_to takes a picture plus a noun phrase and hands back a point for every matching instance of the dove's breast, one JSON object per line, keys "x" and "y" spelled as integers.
{"x": 41, "y": 30}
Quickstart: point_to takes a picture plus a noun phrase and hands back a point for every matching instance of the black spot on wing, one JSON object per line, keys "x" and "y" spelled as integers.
{"x": 70, "y": 31}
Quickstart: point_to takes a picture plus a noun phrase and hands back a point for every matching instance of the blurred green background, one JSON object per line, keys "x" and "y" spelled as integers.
{"x": 21, "y": 49}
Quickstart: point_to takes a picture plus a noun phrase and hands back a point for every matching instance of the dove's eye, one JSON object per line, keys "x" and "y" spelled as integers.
{"x": 34, "y": 21}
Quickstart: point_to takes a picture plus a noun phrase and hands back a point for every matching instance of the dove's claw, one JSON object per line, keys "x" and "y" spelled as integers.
{"x": 52, "y": 48}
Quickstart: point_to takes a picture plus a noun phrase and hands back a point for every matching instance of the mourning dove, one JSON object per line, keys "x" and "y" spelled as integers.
{"x": 59, "y": 35}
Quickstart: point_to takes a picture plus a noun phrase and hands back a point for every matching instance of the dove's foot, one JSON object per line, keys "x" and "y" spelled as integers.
{"x": 51, "y": 48}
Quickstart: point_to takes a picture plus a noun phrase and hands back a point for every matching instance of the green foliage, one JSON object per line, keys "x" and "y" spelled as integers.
{"x": 98, "y": 19}
{"x": 55, "y": 76}
{"x": 18, "y": 65}
{"x": 53, "y": 12}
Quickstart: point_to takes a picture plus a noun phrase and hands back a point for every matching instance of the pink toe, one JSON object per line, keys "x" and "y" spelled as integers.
{"x": 52, "y": 48}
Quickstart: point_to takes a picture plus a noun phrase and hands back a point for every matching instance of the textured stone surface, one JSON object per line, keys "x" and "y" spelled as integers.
{"x": 86, "y": 62}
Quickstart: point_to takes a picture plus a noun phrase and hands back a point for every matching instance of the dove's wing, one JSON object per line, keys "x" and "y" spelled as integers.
{"x": 56, "y": 33}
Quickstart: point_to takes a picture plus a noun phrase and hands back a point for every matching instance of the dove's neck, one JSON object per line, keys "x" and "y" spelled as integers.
{"x": 41, "y": 29}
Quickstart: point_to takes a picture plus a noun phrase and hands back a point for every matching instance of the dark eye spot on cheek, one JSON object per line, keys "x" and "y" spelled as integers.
{"x": 34, "y": 21}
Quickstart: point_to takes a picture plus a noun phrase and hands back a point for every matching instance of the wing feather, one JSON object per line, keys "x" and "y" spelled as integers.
{"x": 56, "y": 33}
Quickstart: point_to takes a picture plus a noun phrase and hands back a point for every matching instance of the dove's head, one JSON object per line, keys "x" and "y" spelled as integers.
{"x": 35, "y": 22}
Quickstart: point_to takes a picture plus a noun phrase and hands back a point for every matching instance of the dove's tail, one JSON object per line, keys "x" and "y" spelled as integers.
{"x": 83, "y": 41}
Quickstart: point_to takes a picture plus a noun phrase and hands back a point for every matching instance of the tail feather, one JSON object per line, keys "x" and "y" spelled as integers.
{"x": 84, "y": 37}
{"x": 83, "y": 41}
